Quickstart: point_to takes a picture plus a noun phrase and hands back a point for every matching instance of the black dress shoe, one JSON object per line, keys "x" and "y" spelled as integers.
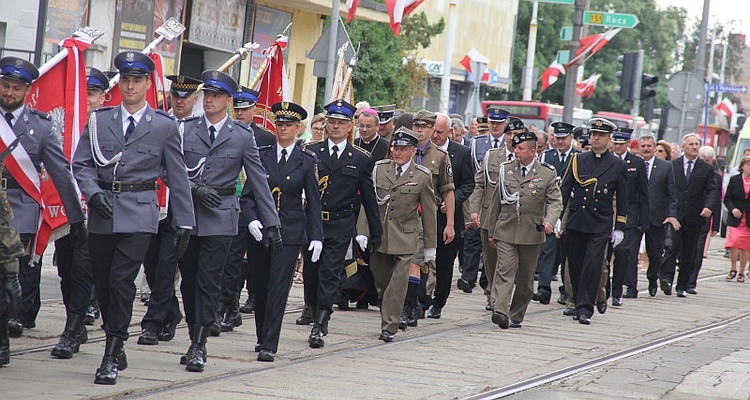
{"x": 114, "y": 360}
{"x": 412, "y": 319}
{"x": 435, "y": 312}
{"x": 652, "y": 291}
{"x": 630, "y": 294}
{"x": 170, "y": 326}
{"x": 303, "y": 320}
{"x": 584, "y": 320}
{"x": 488, "y": 307}
{"x": 616, "y": 302}
{"x": 266, "y": 356}
{"x": 404, "y": 316}
{"x": 91, "y": 315}
{"x": 666, "y": 287}
{"x": 15, "y": 327}
{"x": 500, "y": 319}
{"x": 601, "y": 306}
{"x": 148, "y": 337}
{"x": 569, "y": 311}
{"x": 232, "y": 320}
{"x": 249, "y": 306}
{"x": 555, "y": 278}
{"x": 257, "y": 347}
{"x": 145, "y": 297}
{"x": 215, "y": 329}
{"x": 515, "y": 324}
{"x": 464, "y": 285}
{"x": 563, "y": 299}
{"x": 67, "y": 346}
{"x": 316, "y": 338}
{"x": 541, "y": 297}
{"x": 386, "y": 336}
{"x": 681, "y": 293}
{"x": 536, "y": 276}
{"x": 691, "y": 290}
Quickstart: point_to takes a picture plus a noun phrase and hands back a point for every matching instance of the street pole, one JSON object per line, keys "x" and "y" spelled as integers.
{"x": 332, "y": 41}
{"x": 572, "y": 73}
{"x": 700, "y": 59}
{"x": 530, "y": 53}
{"x": 41, "y": 28}
{"x": 445, "y": 80}
{"x": 637, "y": 89}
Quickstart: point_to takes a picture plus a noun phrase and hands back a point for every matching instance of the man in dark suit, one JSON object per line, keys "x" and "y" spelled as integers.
{"x": 697, "y": 193}
{"x": 625, "y": 266}
{"x": 344, "y": 172}
{"x": 550, "y": 252}
{"x": 368, "y": 123}
{"x": 122, "y": 152}
{"x": 662, "y": 211}
{"x": 39, "y": 144}
{"x": 589, "y": 187}
{"x": 463, "y": 180}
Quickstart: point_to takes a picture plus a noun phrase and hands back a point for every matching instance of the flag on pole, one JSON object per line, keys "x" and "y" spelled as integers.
{"x": 473, "y": 56}
{"x": 61, "y": 92}
{"x": 587, "y": 86}
{"x": 397, "y": 9}
{"x": 726, "y": 108}
{"x": 551, "y": 74}
{"x": 351, "y": 5}
{"x": 592, "y": 44}
{"x": 274, "y": 83}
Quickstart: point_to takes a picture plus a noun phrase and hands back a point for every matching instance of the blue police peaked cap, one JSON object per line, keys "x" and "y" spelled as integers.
{"x": 134, "y": 63}
{"x": 18, "y": 69}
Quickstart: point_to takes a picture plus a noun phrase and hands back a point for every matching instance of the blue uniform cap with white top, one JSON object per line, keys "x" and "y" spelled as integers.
{"x": 245, "y": 97}
{"x": 217, "y": 81}
{"x": 134, "y": 63}
{"x": 96, "y": 79}
{"x": 18, "y": 69}
{"x": 497, "y": 114}
{"x": 340, "y": 109}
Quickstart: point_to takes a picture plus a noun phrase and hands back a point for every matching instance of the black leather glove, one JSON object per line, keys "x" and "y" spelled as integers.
{"x": 102, "y": 205}
{"x": 181, "y": 239}
{"x": 207, "y": 196}
{"x": 273, "y": 235}
{"x": 13, "y": 292}
{"x": 78, "y": 234}
{"x": 374, "y": 244}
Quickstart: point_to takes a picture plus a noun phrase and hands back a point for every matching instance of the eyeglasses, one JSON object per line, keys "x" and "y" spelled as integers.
{"x": 660, "y": 150}
{"x": 320, "y": 129}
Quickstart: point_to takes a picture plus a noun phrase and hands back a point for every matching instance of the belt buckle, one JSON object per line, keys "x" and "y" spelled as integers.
{"x": 116, "y": 186}
{"x": 5, "y": 183}
{"x": 325, "y": 216}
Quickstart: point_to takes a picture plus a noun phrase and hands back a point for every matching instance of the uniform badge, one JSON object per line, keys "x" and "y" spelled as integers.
{"x": 31, "y": 132}
{"x": 315, "y": 169}
{"x": 531, "y": 185}
{"x": 351, "y": 166}
{"x": 19, "y": 63}
{"x": 180, "y": 79}
{"x": 536, "y": 179}
{"x": 606, "y": 191}
{"x": 534, "y": 192}
{"x": 148, "y": 118}
{"x": 215, "y": 75}
{"x": 449, "y": 170}
{"x": 410, "y": 184}
{"x": 284, "y": 105}
{"x": 130, "y": 56}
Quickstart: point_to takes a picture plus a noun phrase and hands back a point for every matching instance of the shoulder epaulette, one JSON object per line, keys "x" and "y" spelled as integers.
{"x": 263, "y": 128}
{"x": 266, "y": 147}
{"x": 306, "y": 145}
{"x": 441, "y": 150}
{"x": 548, "y": 166}
{"x": 188, "y": 119}
{"x": 105, "y": 108}
{"x": 384, "y": 161}
{"x": 365, "y": 152}
{"x": 42, "y": 114}
{"x": 164, "y": 113}
{"x": 243, "y": 126}
{"x": 310, "y": 153}
{"x": 424, "y": 169}
{"x": 480, "y": 136}
{"x": 506, "y": 162}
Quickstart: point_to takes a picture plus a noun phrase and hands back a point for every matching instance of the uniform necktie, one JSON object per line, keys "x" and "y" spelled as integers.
{"x": 523, "y": 172}
{"x": 399, "y": 171}
{"x": 282, "y": 160}
{"x": 420, "y": 153}
{"x": 130, "y": 129}
{"x": 689, "y": 170}
{"x": 496, "y": 143}
{"x": 648, "y": 170}
{"x": 562, "y": 158}
{"x": 510, "y": 157}
{"x": 9, "y": 118}
{"x": 335, "y": 154}
{"x": 212, "y": 133}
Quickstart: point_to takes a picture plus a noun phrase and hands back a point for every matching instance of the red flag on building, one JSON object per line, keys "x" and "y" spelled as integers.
{"x": 398, "y": 9}
{"x": 60, "y": 91}
{"x": 551, "y": 74}
{"x": 274, "y": 83}
{"x": 351, "y": 5}
{"x": 586, "y": 87}
{"x": 473, "y": 56}
{"x": 727, "y": 108}
{"x": 592, "y": 44}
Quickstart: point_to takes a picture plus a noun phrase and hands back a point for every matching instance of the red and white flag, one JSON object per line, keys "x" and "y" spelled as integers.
{"x": 586, "y": 87}
{"x": 726, "y": 108}
{"x": 61, "y": 92}
{"x": 551, "y": 74}
{"x": 398, "y": 9}
{"x": 274, "y": 83}
{"x": 351, "y": 5}
{"x": 473, "y": 56}
{"x": 592, "y": 44}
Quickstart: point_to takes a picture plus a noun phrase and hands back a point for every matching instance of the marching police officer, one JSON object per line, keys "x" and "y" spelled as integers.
{"x": 345, "y": 171}
{"x": 526, "y": 210}
{"x": 589, "y": 186}
{"x": 401, "y": 186}
{"x": 42, "y": 146}
{"x": 289, "y": 171}
{"x": 216, "y": 149}
{"x": 122, "y": 152}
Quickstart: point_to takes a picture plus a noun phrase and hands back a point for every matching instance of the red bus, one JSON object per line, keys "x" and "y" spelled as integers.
{"x": 538, "y": 114}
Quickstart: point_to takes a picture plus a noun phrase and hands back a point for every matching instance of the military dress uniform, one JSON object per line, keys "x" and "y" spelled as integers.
{"x": 529, "y": 197}
{"x": 589, "y": 187}
{"x": 289, "y": 172}
{"x": 41, "y": 145}
{"x": 116, "y": 164}
{"x": 399, "y": 197}
{"x": 343, "y": 174}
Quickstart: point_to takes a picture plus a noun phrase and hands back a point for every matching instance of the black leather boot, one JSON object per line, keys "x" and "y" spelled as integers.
{"x": 68, "y": 344}
{"x": 320, "y": 329}
{"x": 412, "y": 302}
{"x": 404, "y": 316}
{"x": 233, "y": 318}
{"x": 4, "y": 343}
{"x": 196, "y": 354}
{"x": 106, "y": 374}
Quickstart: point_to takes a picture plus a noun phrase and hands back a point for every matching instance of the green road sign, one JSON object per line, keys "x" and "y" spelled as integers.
{"x": 566, "y": 33}
{"x": 571, "y": 2}
{"x": 563, "y": 56}
{"x": 613, "y": 20}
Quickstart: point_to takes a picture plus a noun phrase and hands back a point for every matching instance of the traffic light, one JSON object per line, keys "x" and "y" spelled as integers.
{"x": 627, "y": 76}
{"x": 648, "y": 85}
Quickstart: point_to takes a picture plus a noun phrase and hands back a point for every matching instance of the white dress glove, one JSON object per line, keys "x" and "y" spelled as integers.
{"x": 557, "y": 227}
{"x": 429, "y": 254}
{"x": 316, "y": 246}
{"x": 256, "y": 229}
{"x": 617, "y": 237}
{"x": 362, "y": 242}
